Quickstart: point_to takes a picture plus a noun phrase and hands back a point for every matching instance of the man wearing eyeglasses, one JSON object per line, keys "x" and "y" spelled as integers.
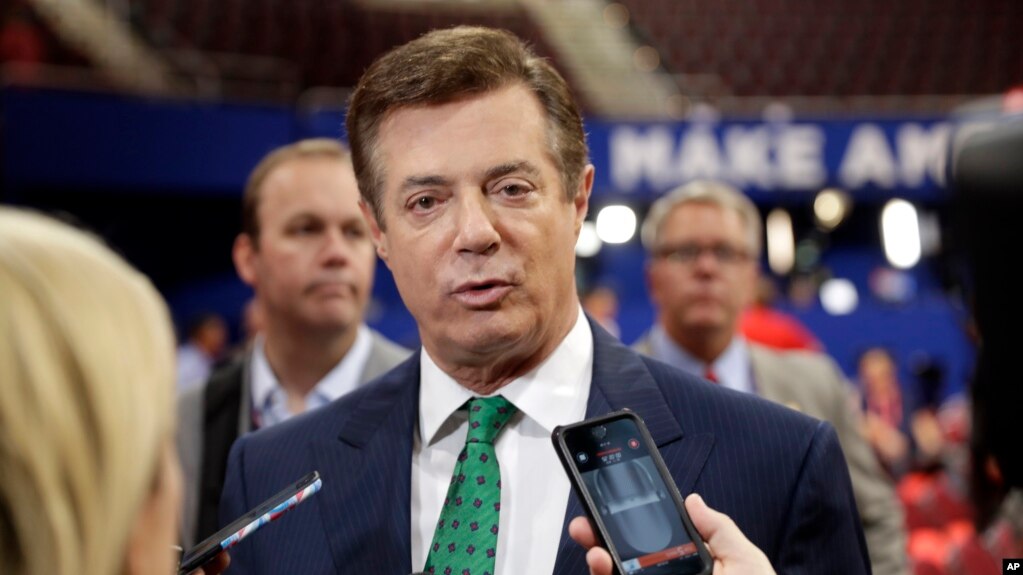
{"x": 703, "y": 241}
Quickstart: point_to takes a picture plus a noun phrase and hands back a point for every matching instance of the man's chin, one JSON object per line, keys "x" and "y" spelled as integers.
{"x": 333, "y": 320}
{"x": 487, "y": 336}
{"x": 703, "y": 325}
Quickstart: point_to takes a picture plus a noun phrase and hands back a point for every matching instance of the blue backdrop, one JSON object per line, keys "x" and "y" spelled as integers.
{"x": 180, "y": 166}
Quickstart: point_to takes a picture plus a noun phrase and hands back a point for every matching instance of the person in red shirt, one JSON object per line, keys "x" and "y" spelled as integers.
{"x": 761, "y": 322}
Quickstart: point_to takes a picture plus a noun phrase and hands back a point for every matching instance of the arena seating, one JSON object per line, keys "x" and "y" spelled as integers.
{"x": 839, "y": 47}
{"x": 329, "y": 42}
{"x": 755, "y": 47}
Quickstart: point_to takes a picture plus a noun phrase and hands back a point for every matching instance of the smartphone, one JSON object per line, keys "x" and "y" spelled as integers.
{"x": 629, "y": 496}
{"x": 247, "y": 524}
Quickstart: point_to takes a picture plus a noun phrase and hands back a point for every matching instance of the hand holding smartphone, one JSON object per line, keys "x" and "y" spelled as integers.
{"x": 630, "y": 497}
{"x": 239, "y": 529}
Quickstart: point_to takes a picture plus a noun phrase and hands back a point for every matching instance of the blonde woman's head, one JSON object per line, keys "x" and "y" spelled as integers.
{"x": 86, "y": 409}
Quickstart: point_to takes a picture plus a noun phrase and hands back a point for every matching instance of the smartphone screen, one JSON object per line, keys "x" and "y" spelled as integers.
{"x": 637, "y": 509}
{"x": 239, "y": 529}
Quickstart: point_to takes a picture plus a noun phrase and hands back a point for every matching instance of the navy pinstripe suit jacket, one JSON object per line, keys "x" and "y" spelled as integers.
{"x": 778, "y": 473}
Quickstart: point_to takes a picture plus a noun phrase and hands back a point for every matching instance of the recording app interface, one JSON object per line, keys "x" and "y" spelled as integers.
{"x": 633, "y": 501}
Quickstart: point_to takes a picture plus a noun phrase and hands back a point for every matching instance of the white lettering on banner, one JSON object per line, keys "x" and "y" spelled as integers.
{"x": 749, "y": 152}
{"x": 800, "y": 157}
{"x": 699, "y": 156}
{"x": 785, "y": 156}
{"x": 922, "y": 152}
{"x": 868, "y": 159}
{"x": 636, "y": 156}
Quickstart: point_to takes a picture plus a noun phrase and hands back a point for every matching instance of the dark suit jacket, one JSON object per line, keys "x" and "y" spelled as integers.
{"x": 811, "y": 382}
{"x": 211, "y": 417}
{"x": 778, "y": 473}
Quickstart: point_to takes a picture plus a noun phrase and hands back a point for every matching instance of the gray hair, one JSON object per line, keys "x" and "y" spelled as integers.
{"x": 704, "y": 192}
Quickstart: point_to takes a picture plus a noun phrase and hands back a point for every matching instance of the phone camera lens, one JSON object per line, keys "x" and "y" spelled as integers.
{"x": 599, "y": 432}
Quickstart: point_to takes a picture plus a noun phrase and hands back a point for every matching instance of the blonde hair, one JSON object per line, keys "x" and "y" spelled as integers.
{"x": 87, "y": 368}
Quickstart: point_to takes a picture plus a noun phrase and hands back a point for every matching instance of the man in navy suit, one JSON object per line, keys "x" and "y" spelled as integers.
{"x": 472, "y": 165}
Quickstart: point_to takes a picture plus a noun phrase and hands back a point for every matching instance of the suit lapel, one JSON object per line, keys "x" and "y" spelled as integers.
{"x": 366, "y": 513}
{"x": 621, "y": 379}
{"x": 367, "y": 464}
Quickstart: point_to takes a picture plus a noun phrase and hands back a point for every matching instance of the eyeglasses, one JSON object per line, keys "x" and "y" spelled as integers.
{"x": 689, "y": 253}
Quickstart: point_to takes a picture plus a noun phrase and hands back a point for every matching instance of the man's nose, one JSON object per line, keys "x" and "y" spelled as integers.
{"x": 706, "y": 261}
{"x": 477, "y": 225}
{"x": 336, "y": 249}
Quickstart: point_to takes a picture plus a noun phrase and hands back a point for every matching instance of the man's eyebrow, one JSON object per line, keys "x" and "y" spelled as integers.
{"x": 424, "y": 181}
{"x": 303, "y": 215}
{"x": 511, "y": 168}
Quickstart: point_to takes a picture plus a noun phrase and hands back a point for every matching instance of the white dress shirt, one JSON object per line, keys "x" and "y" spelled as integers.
{"x": 534, "y": 487}
{"x": 733, "y": 368}
{"x": 269, "y": 400}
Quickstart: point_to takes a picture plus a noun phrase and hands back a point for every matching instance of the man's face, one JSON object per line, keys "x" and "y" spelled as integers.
{"x": 476, "y": 226}
{"x": 312, "y": 265}
{"x": 878, "y": 373}
{"x": 704, "y": 294}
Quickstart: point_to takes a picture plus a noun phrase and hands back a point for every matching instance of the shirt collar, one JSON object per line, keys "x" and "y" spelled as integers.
{"x": 732, "y": 367}
{"x": 554, "y": 393}
{"x": 338, "y": 381}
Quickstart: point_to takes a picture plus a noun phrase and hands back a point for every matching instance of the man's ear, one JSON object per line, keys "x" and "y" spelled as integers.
{"x": 379, "y": 236}
{"x": 582, "y": 197}
{"x": 244, "y": 255}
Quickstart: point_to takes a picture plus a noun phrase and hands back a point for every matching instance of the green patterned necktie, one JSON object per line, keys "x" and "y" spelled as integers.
{"x": 465, "y": 542}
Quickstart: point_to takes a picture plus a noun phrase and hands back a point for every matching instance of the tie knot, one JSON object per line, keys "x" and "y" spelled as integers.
{"x": 709, "y": 374}
{"x": 487, "y": 417}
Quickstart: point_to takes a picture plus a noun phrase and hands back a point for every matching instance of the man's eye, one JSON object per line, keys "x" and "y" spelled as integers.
{"x": 305, "y": 229}
{"x": 689, "y": 253}
{"x": 425, "y": 202}
{"x": 725, "y": 254}
{"x": 513, "y": 190}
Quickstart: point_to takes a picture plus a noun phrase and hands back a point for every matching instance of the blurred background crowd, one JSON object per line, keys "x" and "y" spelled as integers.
{"x": 840, "y": 119}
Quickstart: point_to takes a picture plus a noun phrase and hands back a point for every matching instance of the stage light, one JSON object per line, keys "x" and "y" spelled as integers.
{"x": 616, "y": 224}
{"x": 646, "y": 59}
{"x": 900, "y": 233}
{"x": 616, "y": 15}
{"x": 830, "y": 208}
{"x": 839, "y": 296}
{"x": 588, "y": 244}
{"x": 781, "y": 243}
